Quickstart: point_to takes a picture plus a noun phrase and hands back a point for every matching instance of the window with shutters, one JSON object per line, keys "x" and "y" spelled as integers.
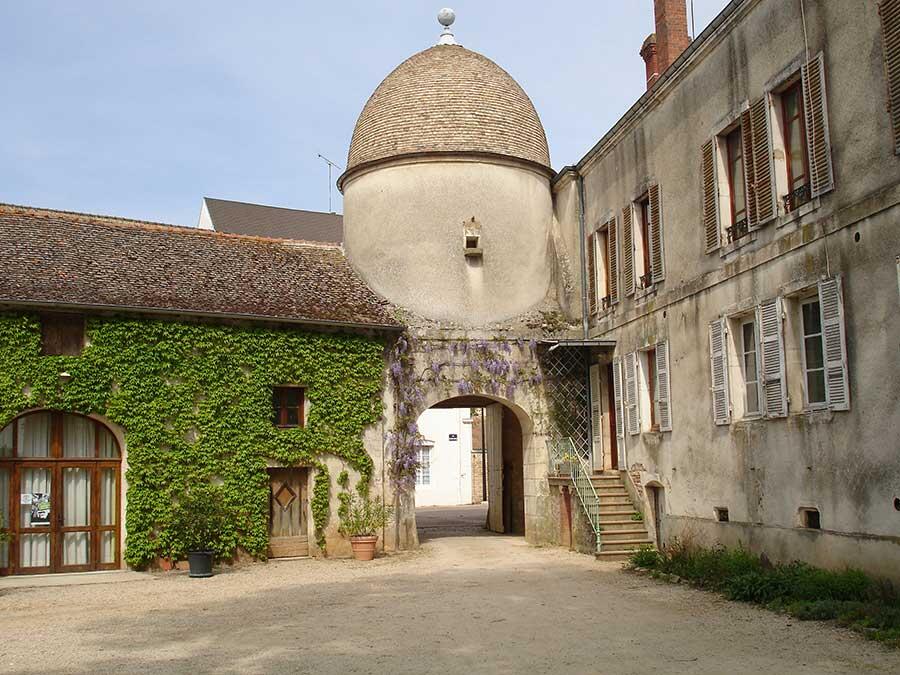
{"x": 62, "y": 335}
{"x": 602, "y": 256}
{"x": 647, "y": 262}
{"x": 652, "y": 388}
{"x": 796, "y": 160}
{"x": 737, "y": 188}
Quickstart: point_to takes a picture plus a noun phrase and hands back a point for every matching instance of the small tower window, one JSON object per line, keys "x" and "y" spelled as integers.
{"x": 472, "y": 239}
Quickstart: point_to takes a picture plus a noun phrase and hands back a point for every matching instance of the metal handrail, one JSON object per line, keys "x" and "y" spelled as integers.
{"x": 562, "y": 451}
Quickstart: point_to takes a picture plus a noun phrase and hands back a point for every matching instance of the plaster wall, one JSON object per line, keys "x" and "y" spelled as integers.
{"x": 449, "y": 433}
{"x": 843, "y": 463}
{"x": 404, "y": 232}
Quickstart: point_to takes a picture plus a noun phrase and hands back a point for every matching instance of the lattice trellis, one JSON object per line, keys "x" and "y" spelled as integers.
{"x": 566, "y": 382}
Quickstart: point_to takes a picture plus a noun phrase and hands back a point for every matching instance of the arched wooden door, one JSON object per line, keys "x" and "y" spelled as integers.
{"x": 60, "y": 494}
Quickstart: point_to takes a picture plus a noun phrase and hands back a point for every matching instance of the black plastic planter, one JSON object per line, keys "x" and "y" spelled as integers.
{"x": 201, "y": 563}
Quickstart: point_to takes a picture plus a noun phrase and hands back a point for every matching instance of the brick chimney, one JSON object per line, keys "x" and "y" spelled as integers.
{"x": 670, "y": 39}
{"x": 648, "y": 53}
{"x": 671, "y": 30}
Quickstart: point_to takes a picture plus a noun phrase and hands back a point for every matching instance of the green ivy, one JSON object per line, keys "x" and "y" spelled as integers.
{"x": 195, "y": 403}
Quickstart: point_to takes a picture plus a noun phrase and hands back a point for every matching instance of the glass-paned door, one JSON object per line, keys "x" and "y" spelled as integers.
{"x": 37, "y": 510}
{"x": 60, "y": 494}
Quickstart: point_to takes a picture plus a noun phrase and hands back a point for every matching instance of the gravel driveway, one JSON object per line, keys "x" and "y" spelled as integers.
{"x": 461, "y": 604}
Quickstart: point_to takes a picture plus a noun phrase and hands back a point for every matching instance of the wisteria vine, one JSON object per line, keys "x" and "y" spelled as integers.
{"x": 461, "y": 367}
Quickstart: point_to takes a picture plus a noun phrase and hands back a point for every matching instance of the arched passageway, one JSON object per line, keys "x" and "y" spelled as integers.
{"x": 60, "y": 494}
{"x": 471, "y": 468}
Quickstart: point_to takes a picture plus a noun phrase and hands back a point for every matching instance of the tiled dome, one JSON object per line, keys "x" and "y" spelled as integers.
{"x": 448, "y": 99}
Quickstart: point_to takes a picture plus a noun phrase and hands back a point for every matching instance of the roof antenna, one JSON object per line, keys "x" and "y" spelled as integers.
{"x": 446, "y": 17}
{"x": 330, "y": 182}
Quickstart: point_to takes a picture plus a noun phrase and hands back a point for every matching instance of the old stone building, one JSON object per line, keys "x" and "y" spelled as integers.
{"x": 691, "y": 332}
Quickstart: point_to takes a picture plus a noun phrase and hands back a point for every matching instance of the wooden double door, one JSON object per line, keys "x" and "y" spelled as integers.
{"x": 288, "y": 519}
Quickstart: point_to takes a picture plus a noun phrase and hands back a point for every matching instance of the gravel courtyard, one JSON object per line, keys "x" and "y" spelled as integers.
{"x": 466, "y": 602}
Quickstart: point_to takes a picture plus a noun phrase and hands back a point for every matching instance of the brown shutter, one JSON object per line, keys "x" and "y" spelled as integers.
{"x": 612, "y": 257}
{"x": 818, "y": 143}
{"x": 656, "y": 238}
{"x": 710, "y": 196}
{"x": 628, "y": 250}
{"x": 763, "y": 161}
{"x": 749, "y": 173}
{"x": 592, "y": 273}
{"x": 889, "y": 10}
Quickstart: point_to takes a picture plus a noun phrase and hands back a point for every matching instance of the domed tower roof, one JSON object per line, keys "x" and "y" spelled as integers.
{"x": 448, "y": 99}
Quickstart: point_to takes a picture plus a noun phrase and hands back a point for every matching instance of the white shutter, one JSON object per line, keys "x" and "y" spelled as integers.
{"x": 631, "y": 394}
{"x": 771, "y": 347}
{"x": 818, "y": 143}
{"x": 664, "y": 405}
{"x": 837, "y": 387}
{"x": 628, "y": 249}
{"x": 617, "y": 394}
{"x": 596, "y": 416}
{"x": 718, "y": 366}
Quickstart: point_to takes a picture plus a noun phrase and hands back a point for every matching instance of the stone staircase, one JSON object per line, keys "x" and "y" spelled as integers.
{"x": 620, "y": 535}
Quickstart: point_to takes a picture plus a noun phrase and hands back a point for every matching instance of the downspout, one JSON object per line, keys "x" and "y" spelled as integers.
{"x": 583, "y": 230}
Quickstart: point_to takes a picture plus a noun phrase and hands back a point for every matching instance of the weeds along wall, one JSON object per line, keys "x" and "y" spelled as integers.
{"x": 195, "y": 403}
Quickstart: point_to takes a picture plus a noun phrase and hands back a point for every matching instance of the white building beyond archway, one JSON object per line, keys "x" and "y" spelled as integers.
{"x": 444, "y": 477}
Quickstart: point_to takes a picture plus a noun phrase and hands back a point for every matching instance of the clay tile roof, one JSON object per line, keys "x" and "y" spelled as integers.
{"x": 274, "y": 221}
{"x": 75, "y": 259}
{"x": 448, "y": 99}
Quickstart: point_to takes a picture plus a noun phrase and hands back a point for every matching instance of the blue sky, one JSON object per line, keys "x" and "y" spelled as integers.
{"x": 139, "y": 109}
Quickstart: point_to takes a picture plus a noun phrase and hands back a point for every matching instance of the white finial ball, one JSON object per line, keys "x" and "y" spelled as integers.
{"x": 446, "y": 17}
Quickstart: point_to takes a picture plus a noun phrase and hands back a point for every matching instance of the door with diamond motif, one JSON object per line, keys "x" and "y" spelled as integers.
{"x": 288, "y": 535}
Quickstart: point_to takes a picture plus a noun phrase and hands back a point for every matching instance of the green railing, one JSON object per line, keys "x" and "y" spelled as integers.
{"x": 565, "y": 461}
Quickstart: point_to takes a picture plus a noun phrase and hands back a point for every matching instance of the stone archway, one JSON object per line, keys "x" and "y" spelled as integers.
{"x": 508, "y": 434}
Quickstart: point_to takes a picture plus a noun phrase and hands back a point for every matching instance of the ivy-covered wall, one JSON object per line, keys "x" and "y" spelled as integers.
{"x": 195, "y": 402}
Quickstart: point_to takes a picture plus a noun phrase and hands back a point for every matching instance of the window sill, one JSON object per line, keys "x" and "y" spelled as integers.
{"x": 728, "y": 249}
{"x": 641, "y": 294}
{"x": 798, "y": 213}
{"x": 288, "y": 426}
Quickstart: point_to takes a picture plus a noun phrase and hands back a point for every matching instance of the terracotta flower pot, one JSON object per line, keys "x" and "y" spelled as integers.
{"x": 364, "y": 547}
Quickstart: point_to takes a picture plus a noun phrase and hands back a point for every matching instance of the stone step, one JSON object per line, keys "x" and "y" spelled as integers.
{"x": 613, "y": 556}
{"x": 611, "y": 490}
{"x": 622, "y": 535}
{"x": 615, "y": 525}
{"x": 617, "y": 513}
{"x": 624, "y": 544}
{"x": 613, "y": 501}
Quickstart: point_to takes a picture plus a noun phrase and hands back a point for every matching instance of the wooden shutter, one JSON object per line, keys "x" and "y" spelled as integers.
{"x": 831, "y": 302}
{"x": 749, "y": 174}
{"x": 631, "y": 394}
{"x": 763, "y": 161}
{"x": 718, "y": 366}
{"x": 493, "y": 434}
{"x": 889, "y": 10}
{"x": 617, "y": 394}
{"x": 663, "y": 395}
{"x": 592, "y": 273}
{"x": 818, "y": 144}
{"x": 596, "y": 416}
{"x": 656, "y": 236}
{"x": 612, "y": 258}
{"x": 628, "y": 249}
{"x": 710, "y": 196}
{"x": 771, "y": 347}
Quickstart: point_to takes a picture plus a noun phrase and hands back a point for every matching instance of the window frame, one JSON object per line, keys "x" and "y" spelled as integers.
{"x": 750, "y": 320}
{"x": 795, "y": 87}
{"x": 643, "y": 280}
{"x": 730, "y": 162}
{"x": 280, "y": 410}
{"x": 807, "y": 403}
{"x": 423, "y": 465}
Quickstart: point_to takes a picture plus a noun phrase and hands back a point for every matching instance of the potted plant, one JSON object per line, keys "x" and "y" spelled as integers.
{"x": 199, "y": 521}
{"x": 361, "y": 521}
